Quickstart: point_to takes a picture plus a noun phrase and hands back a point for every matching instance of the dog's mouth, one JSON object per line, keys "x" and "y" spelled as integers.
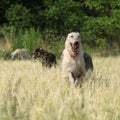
{"x": 75, "y": 46}
{"x": 33, "y": 55}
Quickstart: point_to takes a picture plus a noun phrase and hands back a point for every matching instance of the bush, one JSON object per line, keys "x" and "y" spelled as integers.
{"x": 97, "y": 21}
{"x": 18, "y": 16}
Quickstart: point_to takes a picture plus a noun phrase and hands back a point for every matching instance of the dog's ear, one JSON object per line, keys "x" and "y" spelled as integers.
{"x": 37, "y": 49}
{"x": 78, "y": 34}
{"x": 68, "y": 34}
{"x": 41, "y": 49}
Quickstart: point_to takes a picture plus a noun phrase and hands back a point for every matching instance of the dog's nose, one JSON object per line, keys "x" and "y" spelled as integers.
{"x": 76, "y": 43}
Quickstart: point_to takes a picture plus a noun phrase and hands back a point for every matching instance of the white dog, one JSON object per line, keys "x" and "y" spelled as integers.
{"x": 73, "y": 64}
{"x": 20, "y": 54}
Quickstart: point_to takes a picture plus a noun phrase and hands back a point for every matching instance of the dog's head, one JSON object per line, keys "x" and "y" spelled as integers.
{"x": 37, "y": 52}
{"x": 73, "y": 43}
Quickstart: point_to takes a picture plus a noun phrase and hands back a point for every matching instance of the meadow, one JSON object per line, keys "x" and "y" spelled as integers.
{"x": 30, "y": 92}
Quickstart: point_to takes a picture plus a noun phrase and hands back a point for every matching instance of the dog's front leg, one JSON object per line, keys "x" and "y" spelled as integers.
{"x": 76, "y": 82}
{"x": 71, "y": 78}
{"x": 79, "y": 81}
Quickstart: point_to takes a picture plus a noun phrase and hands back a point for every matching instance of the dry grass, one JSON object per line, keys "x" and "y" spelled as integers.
{"x": 29, "y": 92}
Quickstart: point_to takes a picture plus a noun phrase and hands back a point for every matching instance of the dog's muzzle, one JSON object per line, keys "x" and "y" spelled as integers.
{"x": 75, "y": 46}
{"x": 33, "y": 55}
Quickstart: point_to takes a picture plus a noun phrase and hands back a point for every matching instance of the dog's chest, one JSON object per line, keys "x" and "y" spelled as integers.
{"x": 74, "y": 64}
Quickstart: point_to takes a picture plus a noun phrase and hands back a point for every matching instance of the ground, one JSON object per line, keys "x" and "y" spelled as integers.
{"x": 29, "y": 92}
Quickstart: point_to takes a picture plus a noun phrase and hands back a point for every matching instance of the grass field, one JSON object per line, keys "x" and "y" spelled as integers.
{"x": 29, "y": 92}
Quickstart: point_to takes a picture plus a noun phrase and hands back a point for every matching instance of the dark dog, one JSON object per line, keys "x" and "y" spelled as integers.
{"x": 48, "y": 59}
{"x": 88, "y": 62}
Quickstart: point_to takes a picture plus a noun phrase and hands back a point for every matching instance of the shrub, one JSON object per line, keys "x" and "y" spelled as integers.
{"x": 18, "y": 16}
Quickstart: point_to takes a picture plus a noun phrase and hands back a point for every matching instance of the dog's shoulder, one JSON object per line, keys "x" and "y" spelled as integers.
{"x": 65, "y": 53}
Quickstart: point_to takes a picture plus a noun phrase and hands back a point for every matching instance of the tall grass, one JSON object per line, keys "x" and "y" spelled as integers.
{"x": 30, "y": 39}
{"x": 11, "y": 39}
{"x": 29, "y": 92}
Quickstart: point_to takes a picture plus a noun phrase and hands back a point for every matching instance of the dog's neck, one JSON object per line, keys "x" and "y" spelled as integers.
{"x": 73, "y": 54}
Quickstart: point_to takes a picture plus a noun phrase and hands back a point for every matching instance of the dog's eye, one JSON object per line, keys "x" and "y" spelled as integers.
{"x": 71, "y": 36}
{"x": 78, "y": 36}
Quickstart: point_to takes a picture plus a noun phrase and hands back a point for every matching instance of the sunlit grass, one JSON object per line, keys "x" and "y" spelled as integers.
{"x": 29, "y": 92}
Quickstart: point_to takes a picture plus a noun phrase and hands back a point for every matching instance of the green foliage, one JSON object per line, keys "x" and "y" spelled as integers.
{"x": 97, "y": 21}
{"x": 54, "y": 43}
{"x": 18, "y": 16}
{"x": 29, "y": 39}
{"x": 63, "y": 16}
{"x": 6, "y": 55}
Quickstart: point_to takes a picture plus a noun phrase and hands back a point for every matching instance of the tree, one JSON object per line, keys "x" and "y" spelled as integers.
{"x": 18, "y": 16}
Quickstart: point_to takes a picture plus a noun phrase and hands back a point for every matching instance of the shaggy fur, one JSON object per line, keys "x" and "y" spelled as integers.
{"x": 87, "y": 59}
{"x": 48, "y": 59}
{"x": 20, "y": 54}
{"x": 73, "y": 64}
